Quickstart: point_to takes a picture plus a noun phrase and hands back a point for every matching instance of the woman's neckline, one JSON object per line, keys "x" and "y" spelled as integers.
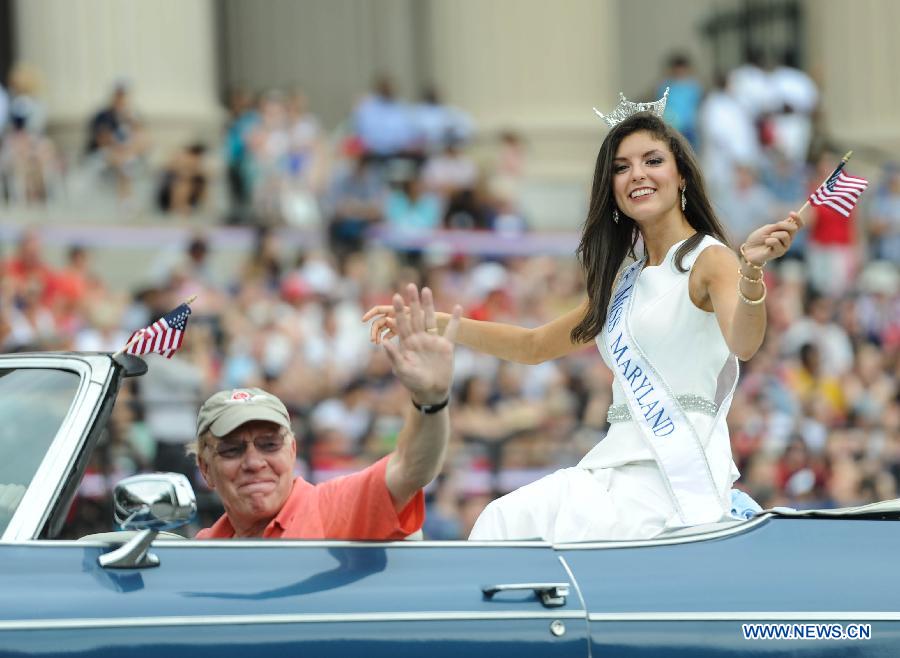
{"x": 668, "y": 253}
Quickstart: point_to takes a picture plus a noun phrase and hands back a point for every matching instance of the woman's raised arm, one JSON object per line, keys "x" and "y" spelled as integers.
{"x": 504, "y": 341}
{"x": 734, "y": 289}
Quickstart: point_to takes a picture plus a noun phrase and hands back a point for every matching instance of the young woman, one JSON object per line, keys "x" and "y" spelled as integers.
{"x": 668, "y": 325}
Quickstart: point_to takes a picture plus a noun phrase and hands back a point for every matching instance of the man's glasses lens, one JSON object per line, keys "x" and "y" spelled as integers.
{"x": 267, "y": 444}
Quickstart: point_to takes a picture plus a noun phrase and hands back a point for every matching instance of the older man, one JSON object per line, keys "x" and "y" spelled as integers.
{"x": 246, "y": 451}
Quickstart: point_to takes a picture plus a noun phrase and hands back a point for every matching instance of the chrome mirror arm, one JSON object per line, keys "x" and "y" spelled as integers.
{"x": 134, "y": 554}
{"x": 148, "y": 503}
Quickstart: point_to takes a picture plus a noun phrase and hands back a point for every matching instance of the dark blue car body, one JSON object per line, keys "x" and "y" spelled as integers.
{"x": 687, "y": 594}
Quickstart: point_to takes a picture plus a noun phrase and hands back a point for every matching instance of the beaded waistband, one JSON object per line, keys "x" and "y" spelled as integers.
{"x": 619, "y": 413}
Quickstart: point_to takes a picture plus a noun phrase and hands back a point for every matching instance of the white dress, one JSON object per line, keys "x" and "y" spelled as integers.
{"x": 617, "y": 490}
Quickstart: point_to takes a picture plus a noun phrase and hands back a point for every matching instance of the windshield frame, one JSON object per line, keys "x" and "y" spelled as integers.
{"x": 56, "y": 468}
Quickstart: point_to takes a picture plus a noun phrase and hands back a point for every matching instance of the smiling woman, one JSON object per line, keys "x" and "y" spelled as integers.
{"x": 645, "y": 180}
{"x": 668, "y": 323}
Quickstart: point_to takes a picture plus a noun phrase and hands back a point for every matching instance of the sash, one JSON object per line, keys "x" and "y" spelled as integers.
{"x": 665, "y": 427}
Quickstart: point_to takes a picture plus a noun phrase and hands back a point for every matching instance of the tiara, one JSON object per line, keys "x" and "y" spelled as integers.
{"x": 626, "y": 108}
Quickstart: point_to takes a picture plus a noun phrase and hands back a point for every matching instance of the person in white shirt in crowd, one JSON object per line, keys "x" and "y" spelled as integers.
{"x": 753, "y": 87}
{"x": 792, "y": 125}
{"x": 729, "y": 138}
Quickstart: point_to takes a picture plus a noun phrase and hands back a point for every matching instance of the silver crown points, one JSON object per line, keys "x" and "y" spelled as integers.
{"x": 626, "y": 108}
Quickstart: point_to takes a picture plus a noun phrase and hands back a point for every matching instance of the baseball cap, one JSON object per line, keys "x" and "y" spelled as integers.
{"x": 225, "y": 411}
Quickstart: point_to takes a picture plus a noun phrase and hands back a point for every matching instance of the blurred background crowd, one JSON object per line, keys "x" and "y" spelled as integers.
{"x": 334, "y": 219}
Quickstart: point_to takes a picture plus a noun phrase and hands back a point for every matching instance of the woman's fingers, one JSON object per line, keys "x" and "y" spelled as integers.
{"x": 779, "y": 241}
{"x": 381, "y": 316}
{"x": 776, "y": 238}
{"x": 790, "y": 228}
{"x": 378, "y": 327}
{"x": 379, "y": 313}
{"x": 382, "y": 309}
{"x": 795, "y": 219}
{"x": 383, "y": 329}
{"x": 786, "y": 225}
{"x": 386, "y": 336}
{"x": 402, "y": 320}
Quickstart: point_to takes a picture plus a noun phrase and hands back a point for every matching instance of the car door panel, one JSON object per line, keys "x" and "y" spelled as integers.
{"x": 226, "y": 598}
{"x": 695, "y": 596}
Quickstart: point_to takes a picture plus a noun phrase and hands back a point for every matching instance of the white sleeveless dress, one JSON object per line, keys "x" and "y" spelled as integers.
{"x": 617, "y": 490}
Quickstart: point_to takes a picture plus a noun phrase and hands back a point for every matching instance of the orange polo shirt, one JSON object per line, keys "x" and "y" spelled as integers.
{"x": 356, "y": 506}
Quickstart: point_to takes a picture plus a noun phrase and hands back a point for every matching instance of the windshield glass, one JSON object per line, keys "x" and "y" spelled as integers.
{"x": 33, "y": 404}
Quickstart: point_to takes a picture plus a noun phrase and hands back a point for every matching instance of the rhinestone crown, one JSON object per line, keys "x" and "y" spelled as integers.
{"x": 626, "y": 108}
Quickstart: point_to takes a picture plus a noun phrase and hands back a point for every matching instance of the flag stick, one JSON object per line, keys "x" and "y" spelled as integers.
{"x": 141, "y": 332}
{"x": 844, "y": 160}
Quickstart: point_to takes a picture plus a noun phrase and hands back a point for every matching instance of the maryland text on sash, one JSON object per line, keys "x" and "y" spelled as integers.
{"x": 633, "y": 377}
{"x": 664, "y": 425}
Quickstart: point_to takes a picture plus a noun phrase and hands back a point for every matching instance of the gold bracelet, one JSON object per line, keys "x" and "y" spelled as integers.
{"x": 747, "y": 260}
{"x": 752, "y": 302}
{"x": 747, "y": 278}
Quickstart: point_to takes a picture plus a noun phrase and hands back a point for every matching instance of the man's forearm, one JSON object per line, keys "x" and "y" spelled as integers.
{"x": 421, "y": 447}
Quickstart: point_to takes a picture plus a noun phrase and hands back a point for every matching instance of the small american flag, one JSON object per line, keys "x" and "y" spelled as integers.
{"x": 163, "y": 336}
{"x": 840, "y": 192}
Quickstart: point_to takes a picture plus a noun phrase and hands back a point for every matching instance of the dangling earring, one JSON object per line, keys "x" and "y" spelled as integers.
{"x": 683, "y": 199}
{"x": 616, "y": 215}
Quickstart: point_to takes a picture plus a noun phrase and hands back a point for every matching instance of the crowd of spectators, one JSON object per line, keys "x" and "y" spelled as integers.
{"x": 816, "y": 417}
{"x": 396, "y": 164}
{"x": 758, "y": 133}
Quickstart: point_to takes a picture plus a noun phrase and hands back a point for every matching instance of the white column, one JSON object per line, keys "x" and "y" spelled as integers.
{"x": 856, "y": 55}
{"x": 164, "y": 48}
{"x": 331, "y": 48}
{"x": 532, "y": 65}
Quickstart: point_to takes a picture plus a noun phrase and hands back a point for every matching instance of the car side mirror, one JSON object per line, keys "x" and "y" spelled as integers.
{"x": 156, "y": 501}
{"x": 148, "y": 503}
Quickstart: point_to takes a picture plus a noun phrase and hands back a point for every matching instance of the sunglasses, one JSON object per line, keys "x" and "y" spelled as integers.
{"x": 266, "y": 444}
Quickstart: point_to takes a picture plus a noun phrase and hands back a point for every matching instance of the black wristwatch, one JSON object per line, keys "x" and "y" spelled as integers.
{"x": 431, "y": 408}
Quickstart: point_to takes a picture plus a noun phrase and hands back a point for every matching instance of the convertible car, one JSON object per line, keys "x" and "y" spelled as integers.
{"x": 780, "y": 584}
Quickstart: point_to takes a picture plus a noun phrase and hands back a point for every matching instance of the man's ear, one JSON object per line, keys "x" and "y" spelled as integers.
{"x": 204, "y": 471}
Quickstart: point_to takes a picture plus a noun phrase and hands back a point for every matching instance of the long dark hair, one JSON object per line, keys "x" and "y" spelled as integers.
{"x": 605, "y": 243}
